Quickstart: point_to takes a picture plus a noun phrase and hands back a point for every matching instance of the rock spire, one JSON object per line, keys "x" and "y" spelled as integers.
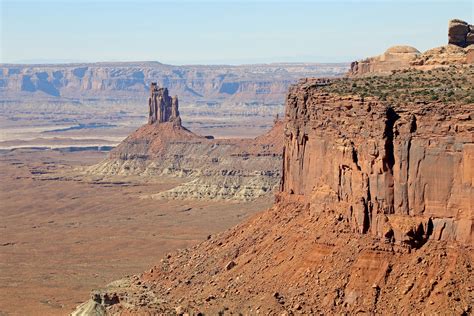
{"x": 162, "y": 107}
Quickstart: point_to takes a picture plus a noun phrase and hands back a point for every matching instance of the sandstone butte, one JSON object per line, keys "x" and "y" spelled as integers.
{"x": 226, "y": 169}
{"x": 374, "y": 213}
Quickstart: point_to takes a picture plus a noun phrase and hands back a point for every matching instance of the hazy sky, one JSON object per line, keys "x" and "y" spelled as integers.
{"x": 184, "y": 32}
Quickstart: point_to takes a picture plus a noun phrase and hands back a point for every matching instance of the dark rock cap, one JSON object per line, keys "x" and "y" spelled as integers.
{"x": 460, "y": 33}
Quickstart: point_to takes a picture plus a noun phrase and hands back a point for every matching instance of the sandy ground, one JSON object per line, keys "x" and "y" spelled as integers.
{"x": 61, "y": 236}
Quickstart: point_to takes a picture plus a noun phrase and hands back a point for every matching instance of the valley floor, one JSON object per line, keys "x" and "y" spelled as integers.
{"x": 62, "y": 235}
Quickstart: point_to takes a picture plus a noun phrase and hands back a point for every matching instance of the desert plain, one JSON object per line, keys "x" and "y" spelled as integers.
{"x": 63, "y": 234}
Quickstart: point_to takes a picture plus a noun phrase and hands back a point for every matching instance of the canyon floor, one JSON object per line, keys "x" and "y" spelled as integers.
{"x": 107, "y": 124}
{"x": 62, "y": 235}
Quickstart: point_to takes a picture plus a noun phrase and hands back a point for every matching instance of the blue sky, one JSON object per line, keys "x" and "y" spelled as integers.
{"x": 209, "y": 32}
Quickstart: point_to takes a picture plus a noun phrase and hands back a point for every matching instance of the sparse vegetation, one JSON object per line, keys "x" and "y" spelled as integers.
{"x": 454, "y": 84}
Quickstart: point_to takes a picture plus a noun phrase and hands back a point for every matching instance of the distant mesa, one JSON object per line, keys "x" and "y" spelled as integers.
{"x": 457, "y": 52}
{"x": 230, "y": 85}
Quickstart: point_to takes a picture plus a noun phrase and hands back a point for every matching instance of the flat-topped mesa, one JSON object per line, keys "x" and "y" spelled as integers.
{"x": 162, "y": 107}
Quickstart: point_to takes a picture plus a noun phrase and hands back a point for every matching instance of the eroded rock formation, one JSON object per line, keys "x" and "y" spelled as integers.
{"x": 374, "y": 214}
{"x": 460, "y": 33}
{"x": 394, "y": 58}
{"x": 215, "y": 169}
{"x": 443, "y": 56}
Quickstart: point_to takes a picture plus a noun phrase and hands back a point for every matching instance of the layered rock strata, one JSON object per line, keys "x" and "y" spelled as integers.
{"x": 236, "y": 169}
{"x": 406, "y": 57}
{"x": 443, "y": 56}
{"x": 106, "y": 82}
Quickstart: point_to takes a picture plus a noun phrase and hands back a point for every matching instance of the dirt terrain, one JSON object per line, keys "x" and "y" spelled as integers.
{"x": 290, "y": 261}
{"x": 62, "y": 235}
{"x": 80, "y": 217}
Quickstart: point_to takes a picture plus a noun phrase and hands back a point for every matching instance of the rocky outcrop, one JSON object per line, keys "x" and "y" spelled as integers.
{"x": 457, "y": 52}
{"x": 406, "y": 57}
{"x": 210, "y": 169}
{"x": 460, "y": 33}
{"x": 443, "y": 56}
{"x": 401, "y": 172}
{"x": 394, "y": 58}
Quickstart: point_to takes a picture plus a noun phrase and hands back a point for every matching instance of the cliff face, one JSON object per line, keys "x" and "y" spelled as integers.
{"x": 398, "y": 171}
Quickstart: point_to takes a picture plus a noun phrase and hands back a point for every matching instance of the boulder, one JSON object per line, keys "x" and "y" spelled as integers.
{"x": 458, "y": 32}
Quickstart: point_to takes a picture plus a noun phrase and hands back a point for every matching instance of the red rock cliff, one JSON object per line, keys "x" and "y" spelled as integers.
{"x": 403, "y": 172}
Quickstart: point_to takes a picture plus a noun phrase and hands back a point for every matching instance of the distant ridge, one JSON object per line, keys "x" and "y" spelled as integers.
{"x": 260, "y": 83}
